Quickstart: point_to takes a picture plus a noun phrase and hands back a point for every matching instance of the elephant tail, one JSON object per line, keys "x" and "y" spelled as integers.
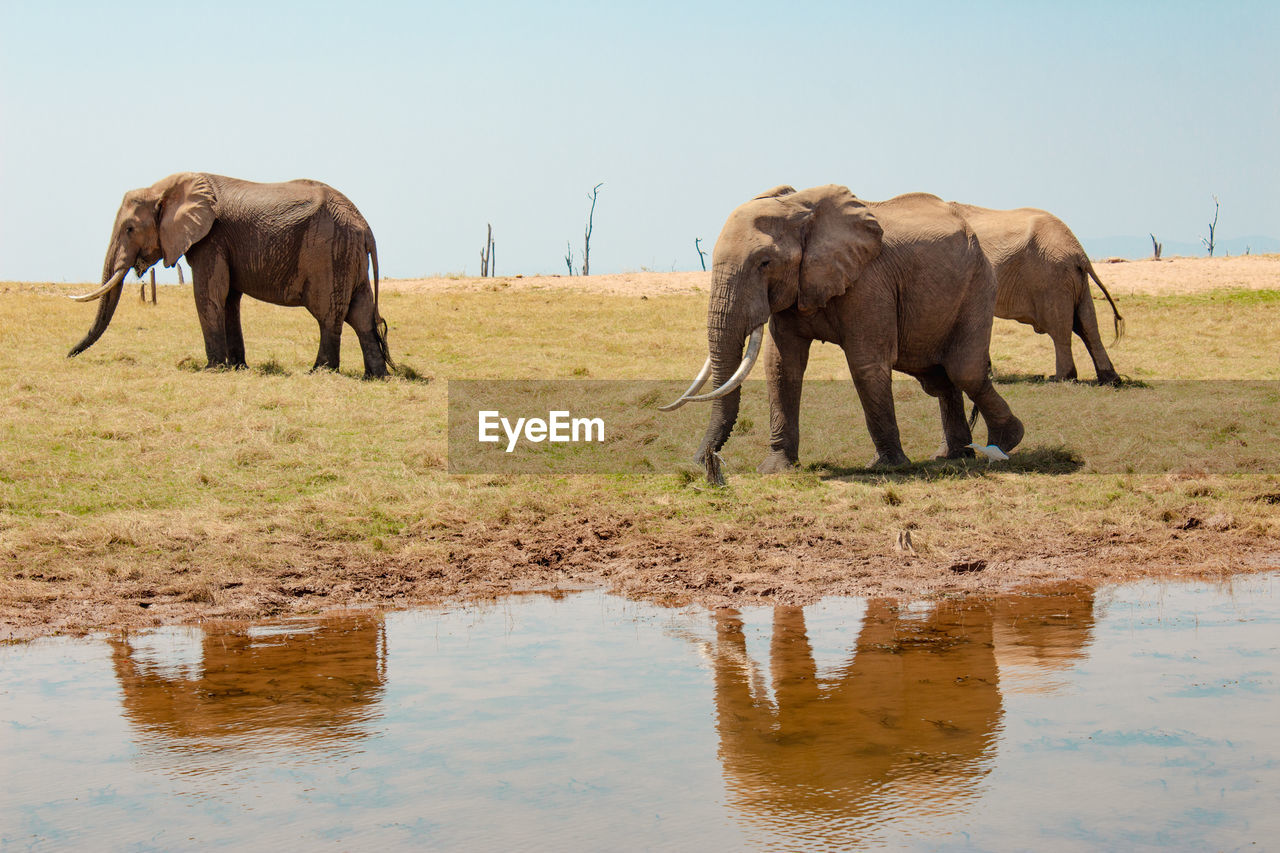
{"x": 1118, "y": 321}
{"x": 379, "y": 324}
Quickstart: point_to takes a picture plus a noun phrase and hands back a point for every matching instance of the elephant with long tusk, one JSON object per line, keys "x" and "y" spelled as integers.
{"x": 298, "y": 243}
{"x": 899, "y": 285}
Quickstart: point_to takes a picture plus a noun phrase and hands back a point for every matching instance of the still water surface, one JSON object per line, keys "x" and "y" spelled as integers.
{"x": 1133, "y": 717}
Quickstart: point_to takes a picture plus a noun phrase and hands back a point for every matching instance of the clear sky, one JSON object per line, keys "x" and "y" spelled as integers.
{"x": 1122, "y": 118}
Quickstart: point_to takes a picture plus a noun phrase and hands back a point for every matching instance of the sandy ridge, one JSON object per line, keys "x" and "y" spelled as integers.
{"x": 1167, "y": 276}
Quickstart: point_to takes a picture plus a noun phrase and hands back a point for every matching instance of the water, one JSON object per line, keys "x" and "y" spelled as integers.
{"x": 1137, "y": 717}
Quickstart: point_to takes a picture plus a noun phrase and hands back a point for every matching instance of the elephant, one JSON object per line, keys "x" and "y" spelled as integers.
{"x": 904, "y": 723}
{"x": 294, "y": 243}
{"x": 1042, "y": 279}
{"x": 898, "y": 285}
{"x": 315, "y": 683}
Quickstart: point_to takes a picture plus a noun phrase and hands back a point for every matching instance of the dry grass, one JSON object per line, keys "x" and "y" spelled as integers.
{"x": 135, "y": 489}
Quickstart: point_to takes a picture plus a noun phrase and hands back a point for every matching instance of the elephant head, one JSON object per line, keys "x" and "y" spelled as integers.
{"x": 782, "y": 250}
{"x": 160, "y": 221}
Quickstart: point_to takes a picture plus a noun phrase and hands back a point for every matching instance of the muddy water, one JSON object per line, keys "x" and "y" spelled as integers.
{"x": 1129, "y": 718}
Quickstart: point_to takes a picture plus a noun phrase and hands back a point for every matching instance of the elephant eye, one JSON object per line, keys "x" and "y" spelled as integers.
{"x": 764, "y": 263}
{"x": 128, "y": 230}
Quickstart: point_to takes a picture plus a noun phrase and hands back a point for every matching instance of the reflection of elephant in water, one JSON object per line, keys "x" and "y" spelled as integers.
{"x": 316, "y": 680}
{"x": 899, "y": 285}
{"x": 906, "y": 726}
{"x": 297, "y": 243}
{"x": 1039, "y": 632}
{"x": 1042, "y": 274}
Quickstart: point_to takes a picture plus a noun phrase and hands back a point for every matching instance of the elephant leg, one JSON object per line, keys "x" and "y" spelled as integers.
{"x": 235, "y": 335}
{"x": 1086, "y": 326}
{"x": 330, "y": 316}
{"x": 330, "y": 345}
{"x": 1064, "y": 364}
{"x": 785, "y": 361}
{"x": 211, "y": 286}
{"x": 955, "y": 427}
{"x": 1004, "y": 430}
{"x": 874, "y": 383}
{"x": 361, "y": 318}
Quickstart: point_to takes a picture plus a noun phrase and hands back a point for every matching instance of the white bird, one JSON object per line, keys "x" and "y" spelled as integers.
{"x": 992, "y": 452}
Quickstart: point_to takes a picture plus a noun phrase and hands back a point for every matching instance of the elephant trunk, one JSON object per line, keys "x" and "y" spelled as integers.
{"x": 726, "y": 330}
{"x": 112, "y": 286}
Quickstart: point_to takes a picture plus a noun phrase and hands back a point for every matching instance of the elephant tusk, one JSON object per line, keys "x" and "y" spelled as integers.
{"x": 97, "y": 294}
{"x": 698, "y": 382}
{"x": 748, "y": 362}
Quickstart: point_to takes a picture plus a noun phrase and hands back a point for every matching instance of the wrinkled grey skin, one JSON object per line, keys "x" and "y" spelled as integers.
{"x": 1042, "y": 279}
{"x": 898, "y": 285}
{"x": 299, "y": 243}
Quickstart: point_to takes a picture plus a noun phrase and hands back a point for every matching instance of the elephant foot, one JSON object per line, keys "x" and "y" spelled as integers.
{"x": 776, "y": 462}
{"x": 895, "y": 459}
{"x": 946, "y": 452}
{"x": 1066, "y": 377}
{"x": 1007, "y": 435}
{"x": 1109, "y": 377}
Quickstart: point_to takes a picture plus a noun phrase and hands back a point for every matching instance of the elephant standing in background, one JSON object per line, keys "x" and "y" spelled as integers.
{"x": 1042, "y": 278}
{"x": 295, "y": 243}
{"x": 898, "y": 285}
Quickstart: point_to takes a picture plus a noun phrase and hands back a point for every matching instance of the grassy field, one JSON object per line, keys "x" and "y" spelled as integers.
{"x": 136, "y": 488}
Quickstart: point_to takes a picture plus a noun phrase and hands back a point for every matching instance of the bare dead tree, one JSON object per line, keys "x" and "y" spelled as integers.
{"x": 702, "y": 256}
{"x": 142, "y": 288}
{"x": 586, "y": 240}
{"x": 487, "y": 266}
{"x": 1156, "y": 247}
{"x": 568, "y": 256}
{"x": 1208, "y": 242}
{"x": 180, "y": 279}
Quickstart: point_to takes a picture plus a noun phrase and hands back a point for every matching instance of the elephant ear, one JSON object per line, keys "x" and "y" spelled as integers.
{"x": 186, "y": 213}
{"x": 777, "y": 192}
{"x": 843, "y": 237}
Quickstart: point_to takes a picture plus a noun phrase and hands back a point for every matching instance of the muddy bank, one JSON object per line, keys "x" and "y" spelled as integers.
{"x": 718, "y": 565}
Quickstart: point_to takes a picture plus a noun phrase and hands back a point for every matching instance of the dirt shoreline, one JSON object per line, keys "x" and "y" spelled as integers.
{"x": 775, "y": 563}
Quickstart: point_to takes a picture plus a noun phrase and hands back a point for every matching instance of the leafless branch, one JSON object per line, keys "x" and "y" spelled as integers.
{"x": 487, "y": 266}
{"x": 1208, "y": 242}
{"x": 702, "y": 256}
{"x": 1156, "y": 247}
{"x": 586, "y": 240}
